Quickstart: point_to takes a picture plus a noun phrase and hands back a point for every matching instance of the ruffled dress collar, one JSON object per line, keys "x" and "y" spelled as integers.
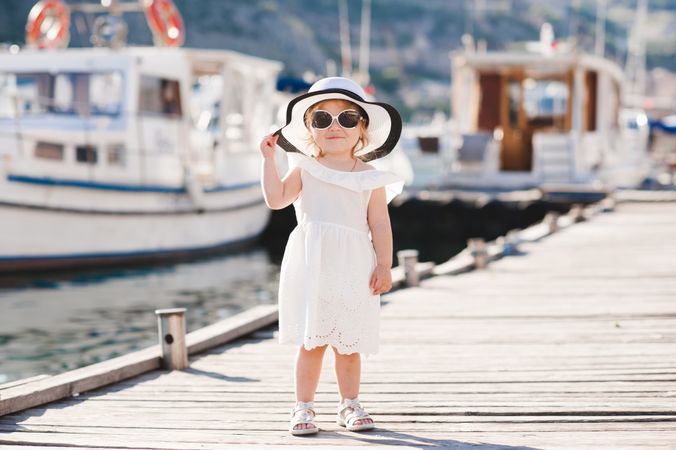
{"x": 365, "y": 180}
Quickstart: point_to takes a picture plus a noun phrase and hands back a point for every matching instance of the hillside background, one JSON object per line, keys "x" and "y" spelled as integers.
{"x": 410, "y": 39}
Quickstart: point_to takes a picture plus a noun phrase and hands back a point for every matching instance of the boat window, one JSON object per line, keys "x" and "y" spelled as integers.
{"x": 106, "y": 93}
{"x": 491, "y": 101}
{"x": 545, "y": 102}
{"x": 206, "y": 103}
{"x": 428, "y": 144}
{"x": 514, "y": 91}
{"x": 62, "y": 93}
{"x": 7, "y": 96}
{"x": 591, "y": 88}
{"x": 26, "y": 93}
{"x": 612, "y": 103}
{"x": 86, "y": 154}
{"x": 116, "y": 155}
{"x": 71, "y": 92}
{"x": 160, "y": 96}
{"x": 233, "y": 123}
{"x": 49, "y": 150}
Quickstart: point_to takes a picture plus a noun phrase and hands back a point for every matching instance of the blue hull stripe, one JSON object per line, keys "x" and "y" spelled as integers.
{"x": 46, "y": 181}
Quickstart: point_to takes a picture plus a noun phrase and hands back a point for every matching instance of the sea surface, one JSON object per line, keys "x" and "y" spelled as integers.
{"x": 53, "y": 323}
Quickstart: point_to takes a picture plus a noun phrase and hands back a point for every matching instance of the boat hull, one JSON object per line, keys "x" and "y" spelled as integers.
{"x": 41, "y": 238}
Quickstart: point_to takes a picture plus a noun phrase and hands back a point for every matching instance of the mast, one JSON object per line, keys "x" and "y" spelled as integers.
{"x": 345, "y": 51}
{"x": 364, "y": 42}
{"x": 600, "y": 44}
{"x": 635, "y": 67}
{"x": 574, "y": 22}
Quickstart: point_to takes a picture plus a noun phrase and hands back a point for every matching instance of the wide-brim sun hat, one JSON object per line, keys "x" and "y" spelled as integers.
{"x": 384, "y": 122}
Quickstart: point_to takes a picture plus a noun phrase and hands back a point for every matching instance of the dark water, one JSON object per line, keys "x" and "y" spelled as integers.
{"x": 53, "y": 323}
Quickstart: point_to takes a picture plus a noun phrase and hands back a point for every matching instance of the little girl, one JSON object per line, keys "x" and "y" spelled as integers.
{"x": 337, "y": 260}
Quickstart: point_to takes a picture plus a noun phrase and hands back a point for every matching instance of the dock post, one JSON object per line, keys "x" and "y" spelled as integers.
{"x": 512, "y": 240}
{"x": 552, "y": 221}
{"x": 479, "y": 252}
{"x": 171, "y": 329}
{"x": 408, "y": 260}
{"x": 577, "y": 213}
{"x": 608, "y": 204}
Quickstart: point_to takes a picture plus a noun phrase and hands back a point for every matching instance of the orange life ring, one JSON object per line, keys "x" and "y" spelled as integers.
{"x": 47, "y": 25}
{"x": 165, "y": 22}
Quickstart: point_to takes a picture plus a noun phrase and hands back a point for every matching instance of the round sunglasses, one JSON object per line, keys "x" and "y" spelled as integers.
{"x": 323, "y": 119}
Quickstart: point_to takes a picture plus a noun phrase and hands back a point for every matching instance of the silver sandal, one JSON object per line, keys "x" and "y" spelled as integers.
{"x": 303, "y": 412}
{"x": 348, "y": 420}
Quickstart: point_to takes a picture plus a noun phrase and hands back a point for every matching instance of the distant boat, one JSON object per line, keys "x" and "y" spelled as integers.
{"x": 117, "y": 153}
{"x": 542, "y": 118}
{"x": 430, "y": 148}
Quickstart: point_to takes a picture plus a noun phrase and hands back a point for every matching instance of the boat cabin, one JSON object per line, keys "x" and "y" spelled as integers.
{"x": 140, "y": 115}
{"x": 550, "y": 118}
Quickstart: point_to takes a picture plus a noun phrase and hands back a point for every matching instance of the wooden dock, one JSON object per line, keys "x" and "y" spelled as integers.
{"x": 570, "y": 344}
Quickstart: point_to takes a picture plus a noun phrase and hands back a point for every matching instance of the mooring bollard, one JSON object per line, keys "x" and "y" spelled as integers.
{"x": 171, "y": 329}
{"x": 408, "y": 260}
{"x": 608, "y": 204}
{"x": 552, "y": 221}
{"x": 479, "y": 251}
{"x": 501, "y": 243}
{"x": 512, "y": 242}
{"x": 577, "y": 213}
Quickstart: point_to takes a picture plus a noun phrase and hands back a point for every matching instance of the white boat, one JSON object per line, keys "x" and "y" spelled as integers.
{"x": 431, "y": 150}
{"x": 548, "y": 119}
{"x": 112, "y": 153}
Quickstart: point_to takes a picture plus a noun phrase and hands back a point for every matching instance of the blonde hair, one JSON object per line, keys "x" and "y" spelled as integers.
{"x": 363, "y": 132}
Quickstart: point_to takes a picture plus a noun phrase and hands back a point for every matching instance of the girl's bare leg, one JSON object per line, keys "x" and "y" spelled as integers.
{"x": 308, "y": 369}
{"x": 348, "y": 375}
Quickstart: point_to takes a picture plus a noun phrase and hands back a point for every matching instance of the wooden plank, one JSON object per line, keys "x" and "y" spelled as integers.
{"x": 73, "y": 382}
{"x": 229, "y": 329}
{"x": 174, "y": 419}
{"x": 211, "y": 432}
{"x": 50, "y": 447}
{"x": 338, "y": 438}
{"x": 23, "y": 381}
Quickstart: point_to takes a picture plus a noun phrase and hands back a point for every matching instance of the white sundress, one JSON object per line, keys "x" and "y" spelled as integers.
{"x": 324, "y": 295}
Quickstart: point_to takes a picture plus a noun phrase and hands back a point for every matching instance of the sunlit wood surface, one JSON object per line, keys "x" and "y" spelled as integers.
{"x": 571, "y": 345}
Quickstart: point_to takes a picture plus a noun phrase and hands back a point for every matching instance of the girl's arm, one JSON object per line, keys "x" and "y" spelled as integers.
{"x": 278, "y": 193}
{"x": 381, "y": 233}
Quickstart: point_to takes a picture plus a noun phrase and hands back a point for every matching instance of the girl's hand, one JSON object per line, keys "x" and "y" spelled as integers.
{"x": 381, "y": 280}
{"x": 268, "y": 146}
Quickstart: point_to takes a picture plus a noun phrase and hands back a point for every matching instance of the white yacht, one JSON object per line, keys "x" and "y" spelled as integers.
{"x": 117, "y": 153}
{"x": 545, "y": 118}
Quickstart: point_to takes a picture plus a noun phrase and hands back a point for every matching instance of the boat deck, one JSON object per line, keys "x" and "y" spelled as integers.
{"x": 570, "y": 344}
